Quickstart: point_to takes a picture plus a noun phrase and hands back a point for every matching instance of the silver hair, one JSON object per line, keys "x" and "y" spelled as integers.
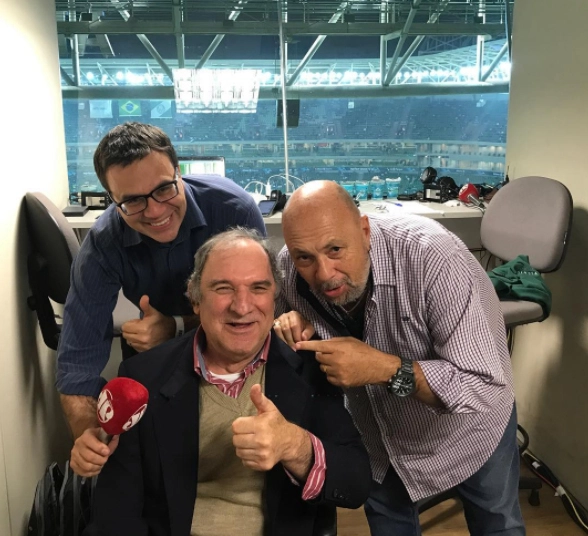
{"x": 225, "y": 240}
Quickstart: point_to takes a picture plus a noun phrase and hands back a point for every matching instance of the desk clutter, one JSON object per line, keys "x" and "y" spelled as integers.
{"x": 91, "y": 199}
{"x": 429, "y": 187}
{"x": 72, "y": 211}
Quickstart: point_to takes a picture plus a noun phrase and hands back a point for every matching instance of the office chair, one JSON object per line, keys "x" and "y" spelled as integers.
{"x": 54, "y": 245}
{"x": 528, "y": 216}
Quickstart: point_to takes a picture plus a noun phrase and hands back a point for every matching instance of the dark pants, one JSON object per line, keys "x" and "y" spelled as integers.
{"x": 490, "y": 497}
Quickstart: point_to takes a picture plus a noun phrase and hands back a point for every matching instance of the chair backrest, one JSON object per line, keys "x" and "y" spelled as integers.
{"x": 53, "y": 240}
{"x": 54, "y": 245}
{"x": 529, "y": 216}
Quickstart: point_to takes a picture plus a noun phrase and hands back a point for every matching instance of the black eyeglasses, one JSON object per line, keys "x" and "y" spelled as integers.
{"x": 161, "y": 194}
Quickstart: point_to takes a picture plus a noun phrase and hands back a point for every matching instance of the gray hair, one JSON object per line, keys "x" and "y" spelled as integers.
{"x": 225, "y": 240}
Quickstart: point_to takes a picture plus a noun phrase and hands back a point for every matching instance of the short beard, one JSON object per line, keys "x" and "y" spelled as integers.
{"x": 356, "y": 289}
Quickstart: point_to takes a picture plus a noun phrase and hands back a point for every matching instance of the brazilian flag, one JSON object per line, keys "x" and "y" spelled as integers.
{"x": 129, "y": 108}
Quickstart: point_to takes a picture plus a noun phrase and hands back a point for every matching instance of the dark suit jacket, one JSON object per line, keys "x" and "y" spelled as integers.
{"x": 148, "y": 486}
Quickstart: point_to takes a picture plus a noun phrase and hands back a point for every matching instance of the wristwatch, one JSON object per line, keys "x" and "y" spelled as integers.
{"x": 402, "y": 383}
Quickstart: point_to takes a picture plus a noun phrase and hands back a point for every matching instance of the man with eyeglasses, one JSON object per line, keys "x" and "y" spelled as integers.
{"x": 144, "y": 243}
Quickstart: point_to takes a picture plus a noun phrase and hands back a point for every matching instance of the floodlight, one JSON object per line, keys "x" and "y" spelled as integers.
{"x": 216, "y": 90}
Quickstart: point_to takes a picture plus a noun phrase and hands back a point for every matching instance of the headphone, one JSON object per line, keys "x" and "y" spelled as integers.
{"x": 429, "y": 175}
{"x": 280, "y": 198}
{"x": 449, "y": 189}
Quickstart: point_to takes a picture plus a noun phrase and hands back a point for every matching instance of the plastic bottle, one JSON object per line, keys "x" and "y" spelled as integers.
{"x": 377, "y": 188}
{"x": 392, "y": 186}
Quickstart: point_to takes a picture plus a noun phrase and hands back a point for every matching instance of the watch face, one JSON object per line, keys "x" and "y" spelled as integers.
{"x": 402, "y": 384}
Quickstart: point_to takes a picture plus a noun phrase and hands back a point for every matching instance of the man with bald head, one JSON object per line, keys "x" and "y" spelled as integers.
{"x": 411, "y": 328}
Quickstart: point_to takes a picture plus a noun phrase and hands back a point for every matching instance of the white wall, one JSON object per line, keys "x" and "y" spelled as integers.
{"x": 32, "y": 152}
{"x": 548, "y": 135}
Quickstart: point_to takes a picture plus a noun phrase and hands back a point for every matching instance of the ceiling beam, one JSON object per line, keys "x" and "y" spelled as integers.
{"x": 142, "y": 38}
{"x": 395, "y": 69}
{"x": 495, "y": 62}
{"x": 75, "y": 49}
{"x": 68, "y": 79}
{"x": 233, "y": 16}
{"x": 403, "y": 35}
{"x": 310, "y": 92}
{"x": 315, "y": 46}
{"x": 270, "y": 28}
{"x": 508, "y": 6}
{"x": 177, "y": 18}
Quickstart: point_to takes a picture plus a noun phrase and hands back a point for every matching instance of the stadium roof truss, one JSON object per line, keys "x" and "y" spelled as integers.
{"x": 425, "y": 45}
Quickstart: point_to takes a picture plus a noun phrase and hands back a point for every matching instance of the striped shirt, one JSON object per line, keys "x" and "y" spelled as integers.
{"x": 316, "y": 477}
{"x": 433, "y": 303}
{"x": 114, "y": 256}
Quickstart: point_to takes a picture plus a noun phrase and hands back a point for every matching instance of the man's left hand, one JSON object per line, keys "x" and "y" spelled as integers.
{"x": 149, "y": 331}
{"x": 265, "y": 439}
{"x": 349, "y": 362}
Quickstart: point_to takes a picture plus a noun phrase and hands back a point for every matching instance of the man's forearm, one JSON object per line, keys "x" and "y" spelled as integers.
{"x": 80, "y": 412}
{"x": 422, "y": 390}
{"x": 299, "y": 456}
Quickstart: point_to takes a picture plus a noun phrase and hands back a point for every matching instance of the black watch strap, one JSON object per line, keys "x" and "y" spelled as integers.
{"x": 406, "y": 366}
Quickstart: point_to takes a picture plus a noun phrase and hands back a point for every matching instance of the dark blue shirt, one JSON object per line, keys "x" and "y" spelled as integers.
{"x": 114, "y": 256}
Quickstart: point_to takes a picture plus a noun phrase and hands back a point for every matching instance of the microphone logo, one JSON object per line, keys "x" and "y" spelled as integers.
{"x": 121, "y": 404}
{"x": 469, "y": 195}
{"x": 105, "y": 408}
{"x": 134, "y": 418}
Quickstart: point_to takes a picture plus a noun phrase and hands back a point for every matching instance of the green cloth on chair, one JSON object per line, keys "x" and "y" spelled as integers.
{"x": 518, "y": 280}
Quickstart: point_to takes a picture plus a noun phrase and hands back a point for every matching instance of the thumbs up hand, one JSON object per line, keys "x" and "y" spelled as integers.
{"x": 261, "y": 402}
{"x": 146, "y": 306}
{"x": 149, "y": 331}
{"x": 265, "y": 439}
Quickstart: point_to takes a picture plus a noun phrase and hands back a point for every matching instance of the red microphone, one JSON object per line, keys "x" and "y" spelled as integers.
{"x": 121, "y": 404}
{"x": 469, "y": 194}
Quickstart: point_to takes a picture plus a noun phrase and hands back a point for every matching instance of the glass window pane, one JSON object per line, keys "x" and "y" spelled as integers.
{"x": 344, "y": 138}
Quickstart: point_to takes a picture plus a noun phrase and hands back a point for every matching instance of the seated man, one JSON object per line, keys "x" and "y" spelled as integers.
{"x": 241, "y": 434}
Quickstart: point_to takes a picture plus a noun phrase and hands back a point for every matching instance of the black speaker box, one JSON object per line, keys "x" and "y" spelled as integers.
{"x": 292, "y": 113}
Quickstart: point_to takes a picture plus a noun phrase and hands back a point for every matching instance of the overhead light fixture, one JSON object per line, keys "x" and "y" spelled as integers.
{"x": 216, "y": 90}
